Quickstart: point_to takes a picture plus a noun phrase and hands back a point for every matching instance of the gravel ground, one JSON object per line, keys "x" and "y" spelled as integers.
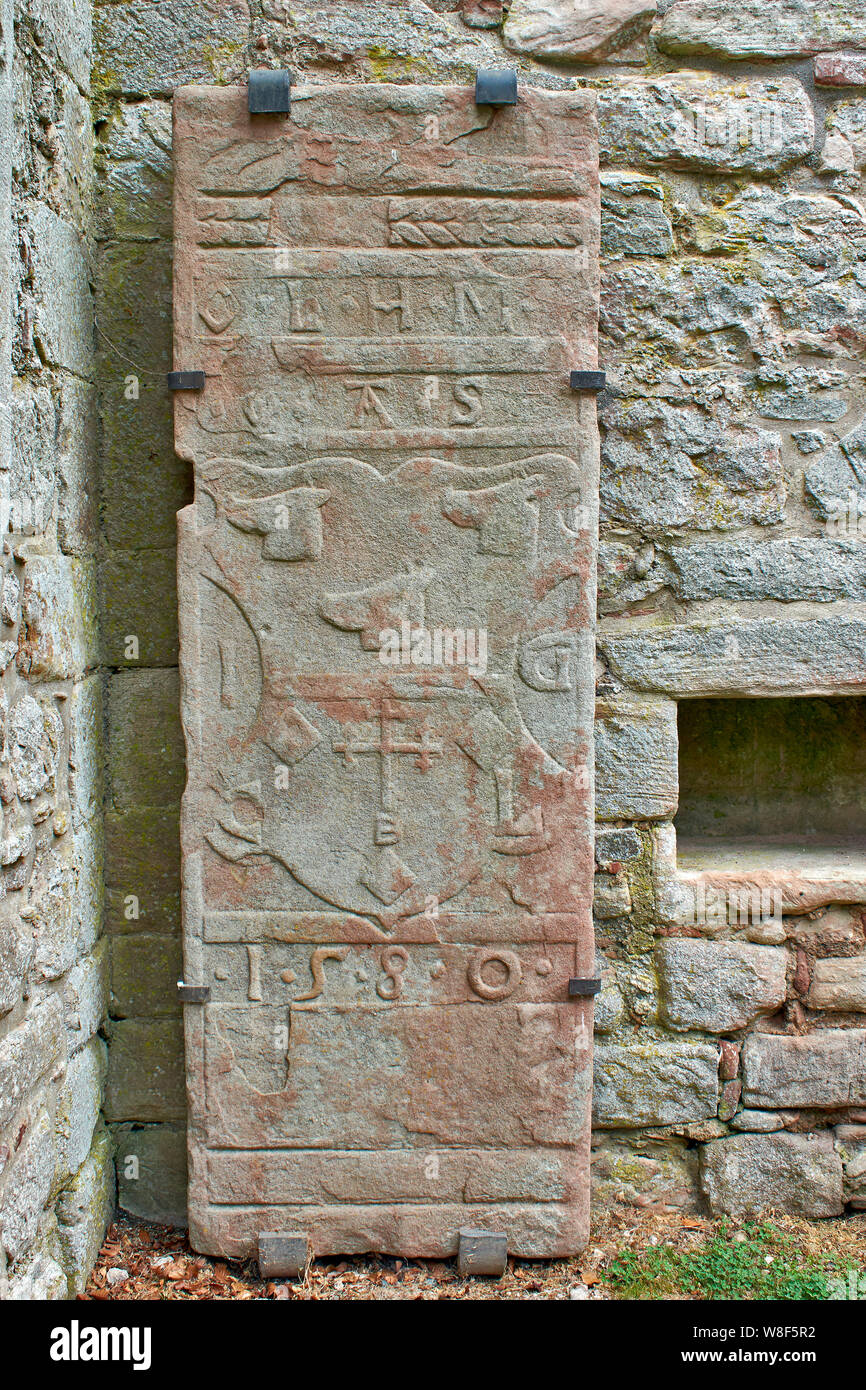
{"x": 144, "y": 1261}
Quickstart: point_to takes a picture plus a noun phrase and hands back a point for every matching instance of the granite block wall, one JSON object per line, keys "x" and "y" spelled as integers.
{"x": 56, "y": 1162}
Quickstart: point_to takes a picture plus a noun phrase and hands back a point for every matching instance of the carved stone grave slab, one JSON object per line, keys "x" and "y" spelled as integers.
{"x": 387, "y": 591}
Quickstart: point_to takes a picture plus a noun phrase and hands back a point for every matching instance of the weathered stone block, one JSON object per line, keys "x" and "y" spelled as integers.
{"x": 38, "y": 1277}
{"x": 86, "y": 996}
{"x": 312, "y": 1176}
{"x": 640, "y": 1171}
{"x": 386, "y": 42}
{"x": 586, "y": 32}
{"x": 145, "y": 1071}
{"x": 628, "y": 574}
{"x": 62, "y": 29}
{"x": 691, "y": 121}
{"x": 611, "y": 896}
{"x": 762, "y": 657}
{"x": 719, "y": 986}
{"x": 77, "y": 520}
{"x": 50, "y": 912}
{"x": 17, "y": 947}
{"x": 666, "y": 467}
{"x": 837, "y": 157}
{"x": 787, "y": 571}
{"x": 87, "y": 906}
{"x": 63, "y": 321}
{"x": 617, "y": 846}
{"x": 757, "y": 1122}
{"x": 134, "y": 304}
{"x": 796, "y": 28}
{"x": 730, "y": 1063}
{"x": 798, "y": 1174}
{"x": 59, "y": 171}
{"x": 482, "y": 1104}
{"x": 60, "y": 618}
{"x": 851, "y": 1147}
{"x": 834, "y": 486}
{"x": 822, "y": 1069}
{"x": 839, "y": 983}
{"x": 481, "y": 14}
{"x": 35, "y": 756}
{"x": 31, "y": 459}
{"x": 795, "y": 393}
{"x": 146, "y": 753}
{"x": 776, "y": 229}
{"x": 139, "y": 598}
{"x": 609, "y": 1006}
{"x": 730, "y": 1099}
{"x": 86, "y": 753}
{"x": 135, "y": 195}
{"x": 144, "y": 484}
{"x": 26, "y": 1187}
{"x": 84, "y": 1209}
{"x": 633, "y": 217}
{"x": 837, "y": 931}
{"x": 148, "y": 49}
{"x": 144, "y": 975}
{"x": 30, "y": 1051}
{"x": 428, "y": 1228}
{"x": 657, "y": 1083}
{"x": 79, "y": 1099}
{"x": 151, "y": 1171}
{"x": 143, "y": 869}
{"x": 636, "y": 772}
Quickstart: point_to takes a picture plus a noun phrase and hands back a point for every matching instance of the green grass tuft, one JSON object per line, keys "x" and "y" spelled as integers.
{"x": 767, "y": 1264}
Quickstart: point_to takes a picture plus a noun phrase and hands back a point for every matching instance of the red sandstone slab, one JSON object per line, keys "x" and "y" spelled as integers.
{"x": 386, "y": 608}
{"x": 469, "y": 1074}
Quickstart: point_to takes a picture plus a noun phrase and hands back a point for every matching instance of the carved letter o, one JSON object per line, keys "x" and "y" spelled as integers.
{"x": 509, "y": 984}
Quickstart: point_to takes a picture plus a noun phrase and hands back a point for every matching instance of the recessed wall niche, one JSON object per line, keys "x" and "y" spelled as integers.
{"x": 762, "y": 780}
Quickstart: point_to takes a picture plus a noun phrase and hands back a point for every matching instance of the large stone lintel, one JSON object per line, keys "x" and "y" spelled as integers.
{"x": 812, "y": 656}
{"x": 786, "y": 29}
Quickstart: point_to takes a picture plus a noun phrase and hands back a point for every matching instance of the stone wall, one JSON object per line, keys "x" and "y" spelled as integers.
{"x": 730, "y": 1061}
{"x": 56, "y": 1169}
{"x": 732, "y": 335}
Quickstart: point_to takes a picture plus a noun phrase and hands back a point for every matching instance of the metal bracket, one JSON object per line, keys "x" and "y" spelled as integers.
{"x": 186, "y": 381}
{"x": 282, "y": 1254}
{"x": 193, "y": 994}
{"x": 583, "y": 989}
{"x": 496, "y": 87}
{"x": 482, "y": 1252}
{"x": 588, "y": 381}
{"x": 269, "y": 92}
